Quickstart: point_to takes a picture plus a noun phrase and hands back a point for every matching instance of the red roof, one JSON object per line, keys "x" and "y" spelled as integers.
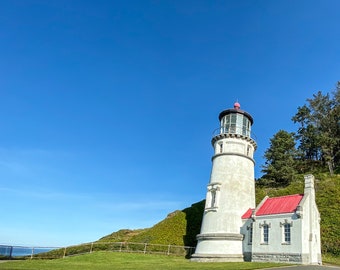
{"x": 279, "y": 205}
{"x": 248, "y": 213}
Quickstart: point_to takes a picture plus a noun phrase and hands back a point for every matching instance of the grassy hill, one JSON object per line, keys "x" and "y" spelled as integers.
{"x": 178, "y": 228}
{"x": 181, "y": 227}
{"x": 121, "y": 235}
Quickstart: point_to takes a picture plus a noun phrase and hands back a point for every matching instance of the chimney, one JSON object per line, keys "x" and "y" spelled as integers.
{"x": 309, "y": 185}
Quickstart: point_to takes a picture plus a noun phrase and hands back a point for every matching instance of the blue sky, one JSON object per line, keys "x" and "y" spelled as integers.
{"x": 108, "y": 107}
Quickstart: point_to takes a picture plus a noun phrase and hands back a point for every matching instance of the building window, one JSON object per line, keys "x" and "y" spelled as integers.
{"x": 221, "y": 148}
{"x": 265, "y": 234}
{"x": 286, "y": 231}
{"x": 250, "y": 234}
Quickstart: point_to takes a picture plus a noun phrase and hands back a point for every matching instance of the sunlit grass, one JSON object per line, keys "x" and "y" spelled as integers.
{"x": 329, "y": 259}
{"x": 115, "y": 260}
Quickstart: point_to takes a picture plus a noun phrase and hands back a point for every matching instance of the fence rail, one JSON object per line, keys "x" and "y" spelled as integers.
{"x": 22, "y": 252}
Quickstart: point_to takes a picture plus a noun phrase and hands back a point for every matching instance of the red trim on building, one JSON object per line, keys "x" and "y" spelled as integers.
{"x": 247, "y": 214}
{"x": 279, "y": 205}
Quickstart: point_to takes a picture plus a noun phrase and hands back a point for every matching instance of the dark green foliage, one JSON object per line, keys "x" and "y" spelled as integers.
{"x": 279, "y": 166}
{"x": 328, "y": 200}
{"x": 296, "y": 187}
{"x": 319, "y": 130}
{"x": 193, "y": 216}
{"x": 169, "y": 231}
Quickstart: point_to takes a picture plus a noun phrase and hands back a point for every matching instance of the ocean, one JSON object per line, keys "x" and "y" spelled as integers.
{"x": 19, "y": 251}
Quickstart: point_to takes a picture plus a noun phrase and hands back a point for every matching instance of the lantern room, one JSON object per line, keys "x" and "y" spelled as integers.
{"x": 235, "y": 121}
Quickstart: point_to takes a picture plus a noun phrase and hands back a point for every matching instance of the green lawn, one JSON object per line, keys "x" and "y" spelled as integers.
{"x": 113, "y": 260}
{"x": 330, "y": 259}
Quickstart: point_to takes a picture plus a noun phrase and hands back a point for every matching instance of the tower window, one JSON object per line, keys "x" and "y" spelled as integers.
{"x": 221, "y": 148}
{"x": 212, "y": 197}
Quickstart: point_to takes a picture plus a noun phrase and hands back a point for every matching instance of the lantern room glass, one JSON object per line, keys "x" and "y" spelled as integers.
{"x": 236, "y": 123}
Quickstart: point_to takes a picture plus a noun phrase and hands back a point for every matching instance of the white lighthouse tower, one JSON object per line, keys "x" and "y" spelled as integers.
{"x": 231, "y": 190}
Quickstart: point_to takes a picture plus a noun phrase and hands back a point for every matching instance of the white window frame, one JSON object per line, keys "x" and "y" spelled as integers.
{"x": 264, "y": 226}
{"x": 286, "y": 234}
{"x": 265, "y": 234}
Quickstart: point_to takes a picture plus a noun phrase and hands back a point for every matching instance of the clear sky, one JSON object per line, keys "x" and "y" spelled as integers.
{"x": 108, "y": 107}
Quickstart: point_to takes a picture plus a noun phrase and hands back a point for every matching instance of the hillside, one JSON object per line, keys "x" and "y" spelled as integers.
{"x": 178, "y": 228}
{"x": 181, "y": 227}
{"x": 121, "y": 235}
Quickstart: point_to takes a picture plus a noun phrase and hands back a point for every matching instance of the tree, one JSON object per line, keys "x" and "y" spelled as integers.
{"x": 279, "y": 165}
{"x": 319, "y": 129}
{"x": 307, "y": 135}
{"x": 336, "y": 115}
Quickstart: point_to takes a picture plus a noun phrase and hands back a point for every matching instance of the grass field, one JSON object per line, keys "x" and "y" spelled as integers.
{"x": 331, "y": 259}
{"x": 113, "y": 260}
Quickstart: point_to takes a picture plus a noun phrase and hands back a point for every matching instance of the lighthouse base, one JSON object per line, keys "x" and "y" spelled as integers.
{"x": 218, "y": 247}
{"x": 216, "y": 258}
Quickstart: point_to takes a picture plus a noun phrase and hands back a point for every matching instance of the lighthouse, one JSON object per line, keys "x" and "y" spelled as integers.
{"x": 231, "y": 189}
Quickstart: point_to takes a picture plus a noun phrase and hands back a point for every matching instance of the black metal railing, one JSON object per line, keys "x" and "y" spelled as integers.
{"x": 234, "y": 129}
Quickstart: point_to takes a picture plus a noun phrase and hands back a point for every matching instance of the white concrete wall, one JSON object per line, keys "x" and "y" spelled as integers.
{"x": 247, "y": 245}
{"x": 311, "y": 242}
{"x": 276, "y": 242}
{"x": 235, "y": 176}
{"x": 232, "y": 178}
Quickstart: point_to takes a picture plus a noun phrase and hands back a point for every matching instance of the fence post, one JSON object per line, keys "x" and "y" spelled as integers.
{"x": 124, "y": 247}
{"x": 32, "y": 253}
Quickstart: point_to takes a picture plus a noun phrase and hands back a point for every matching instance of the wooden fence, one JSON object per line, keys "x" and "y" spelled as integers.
{"x": 22, "y": 252}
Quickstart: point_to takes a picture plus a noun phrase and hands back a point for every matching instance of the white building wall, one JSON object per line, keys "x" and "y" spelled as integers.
{"x": 305, "y": 206}
{"x": 248, "y": 239}
{"x": 305, "y": 245}
{"x": 311, "y": 243}
{"x": 277, "y": 249}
